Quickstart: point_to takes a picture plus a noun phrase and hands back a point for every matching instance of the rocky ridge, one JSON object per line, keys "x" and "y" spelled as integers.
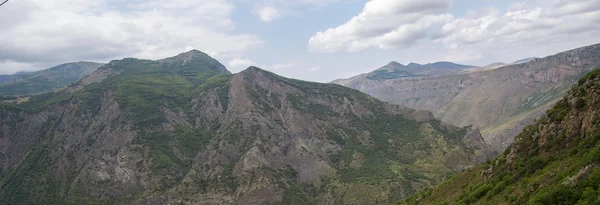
{"x": 556, "y": 160}
{"x": 498, "y": 101}
{"x": 183, "y": 130}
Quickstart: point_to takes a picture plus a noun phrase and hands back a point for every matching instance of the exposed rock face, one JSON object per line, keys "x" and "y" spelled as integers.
{"x": 493, "y": 100}
{"x": 162, "y": 132}
{"x": 554, "y": 160}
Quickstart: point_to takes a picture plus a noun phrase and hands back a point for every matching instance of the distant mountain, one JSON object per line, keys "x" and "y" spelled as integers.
{"x": 395, "y": 70}
{"x": 5, "y": 78}
{"x": 438, "y": 68}
{"x": 487, "y": 67}
{"x": 392, "y": 70}
{"x": 183, "y": 130}
{"x": 448, "y": 65}
{"x": 526, "y": 60}
{"x": 499, "y": 65}
{"x": 45, "y": 80}
{"x": 500, "y": 101}
{"x": 554, "y": 161}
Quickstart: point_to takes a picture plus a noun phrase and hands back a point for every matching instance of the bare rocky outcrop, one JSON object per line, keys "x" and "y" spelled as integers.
{"x": 499, "y": 101}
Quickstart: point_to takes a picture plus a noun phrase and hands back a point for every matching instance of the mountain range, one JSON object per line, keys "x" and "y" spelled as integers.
{"x": 556, "y": 160}
{"x": 395, "y": 70}
{"x": 27, "y": 83}
{"x": 500, "y": 101}
{"x": 184, "y": 130}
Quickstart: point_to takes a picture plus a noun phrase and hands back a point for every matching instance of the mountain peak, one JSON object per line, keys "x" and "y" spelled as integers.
{"x": 197, "y": 59}
{"x": 394, "y": 64}
{"x": 193, "y": 51}
{"x": 252, "y": 70}
{"x": 413, "y": 65}
{"x": 186, "y": 56}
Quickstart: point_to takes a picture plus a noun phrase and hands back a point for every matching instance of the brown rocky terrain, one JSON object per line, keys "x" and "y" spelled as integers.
{"x": 556, "y": 160}
{"x": 499, "y": 101}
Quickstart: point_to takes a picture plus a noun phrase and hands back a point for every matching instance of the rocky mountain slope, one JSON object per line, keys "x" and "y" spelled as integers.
{"x": 554, "y": 161}
{"x": 499, "y": 101}
{"x": 183, "y": 130}
{"x": 45, "y": 80}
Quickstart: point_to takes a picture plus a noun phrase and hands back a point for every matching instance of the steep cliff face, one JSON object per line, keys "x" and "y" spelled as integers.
{"x": 499, "y": 101}
{"x": 554, "y": 161}
{"x": 184, "y": 130}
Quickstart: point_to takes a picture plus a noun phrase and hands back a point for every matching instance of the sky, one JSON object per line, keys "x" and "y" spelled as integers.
{"x": 315, "y": 40}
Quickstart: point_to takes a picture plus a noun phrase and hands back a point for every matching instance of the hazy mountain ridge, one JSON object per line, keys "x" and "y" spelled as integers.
{"x": 489, "y": 98}
{"x": 554, "y": 161}
{"x": 45, "y": 80}
{"x": 525, "y": 60}
{"x": 395, "y": 70}
{"x": 5, "y": 78}
{"x": 185, "y": 130}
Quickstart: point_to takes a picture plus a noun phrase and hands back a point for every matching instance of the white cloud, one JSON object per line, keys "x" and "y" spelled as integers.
{"x": 280, "y": 66}
{"x": 269, "y": 10}
{"x": 312, "y": 2}
{"x": 522, "y": 30}
{"x": 522, "y": 23}
{"x": 41, "y": 32}
{"x": 240, "y": 63}
{"x": 267, "y": 14}
{"x": 10, "y": 67}
{"x": 384, "y": 24}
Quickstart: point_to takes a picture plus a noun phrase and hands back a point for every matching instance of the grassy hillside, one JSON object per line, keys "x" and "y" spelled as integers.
{"x": 554, "y": 161}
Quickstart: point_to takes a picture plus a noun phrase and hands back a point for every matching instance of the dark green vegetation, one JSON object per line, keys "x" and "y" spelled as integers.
{"x": 185, "y": 130}
{"x": 45, "y": 80}
{"x": 554, "y": 161}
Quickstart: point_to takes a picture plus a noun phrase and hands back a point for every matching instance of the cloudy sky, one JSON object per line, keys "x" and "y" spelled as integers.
{"x": 317, "y": 40}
